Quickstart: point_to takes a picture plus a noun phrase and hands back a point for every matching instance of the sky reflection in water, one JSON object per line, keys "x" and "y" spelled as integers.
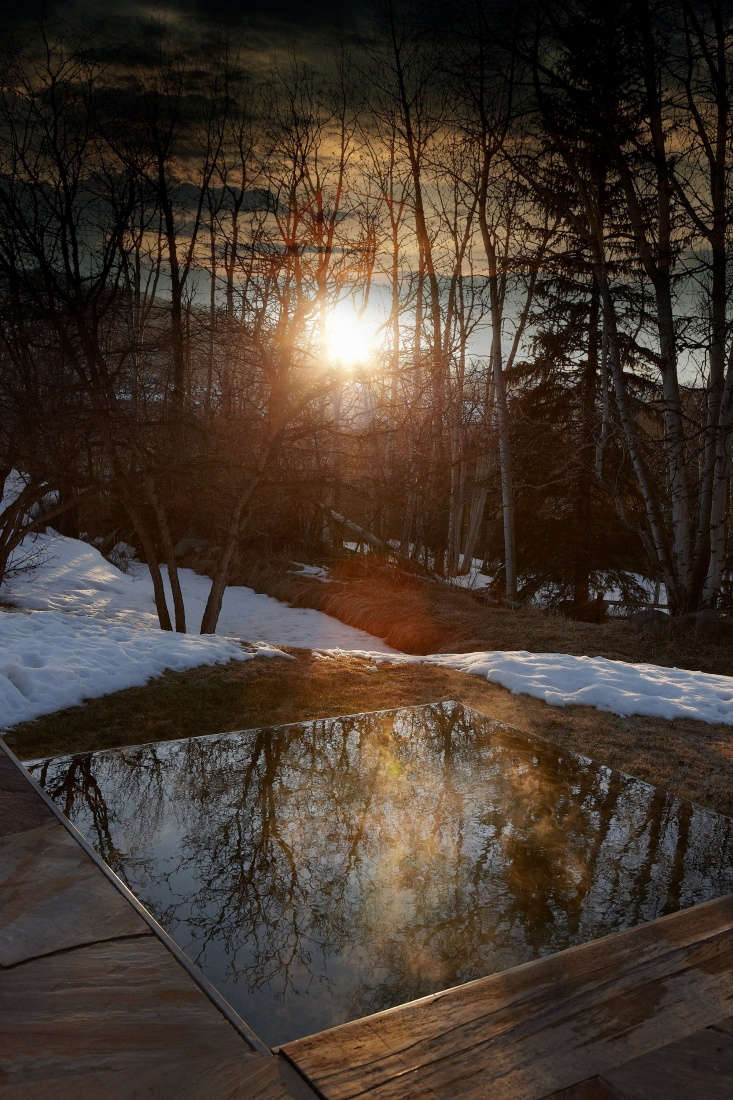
{"x": 321, "y": 871}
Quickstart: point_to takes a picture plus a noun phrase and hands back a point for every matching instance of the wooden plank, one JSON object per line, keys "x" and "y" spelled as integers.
{"x": 594, "y": 1088}
{"x": 54, "y": 898}
{"x": 700, "y": 1065}
{"x": 542, "y": 1026}
{"x": 120, "y": 1019}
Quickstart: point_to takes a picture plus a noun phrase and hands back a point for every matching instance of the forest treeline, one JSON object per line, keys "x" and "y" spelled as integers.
{"x": 535, "y": 207}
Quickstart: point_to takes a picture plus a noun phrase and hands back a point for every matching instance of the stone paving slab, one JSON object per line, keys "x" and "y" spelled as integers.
{"x": 92, "y": 1002}
{"x": 118, "y": 1019}
{"x": 54, "y": 898}
{"x": 20, "y": 806}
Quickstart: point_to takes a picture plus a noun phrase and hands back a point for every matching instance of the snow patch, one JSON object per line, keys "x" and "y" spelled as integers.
{"x": 318, "y": 572}
{"x": 76, "y": 579}
{"x": 563, "y": 680}
{"x": 474, "y": 578}
{"x": 93, "y": 629}
{"x": 50, "y": 660}
{"x": 14, "y": 485}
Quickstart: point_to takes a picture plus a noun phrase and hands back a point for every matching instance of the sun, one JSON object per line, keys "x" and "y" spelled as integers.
{"x": 351, "y": 338}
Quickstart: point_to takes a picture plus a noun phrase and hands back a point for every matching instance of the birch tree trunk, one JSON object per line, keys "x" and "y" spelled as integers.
{"x": 500, "y": 404}
{"x": 410, "y": 110}
{"x": 475, "y": 512}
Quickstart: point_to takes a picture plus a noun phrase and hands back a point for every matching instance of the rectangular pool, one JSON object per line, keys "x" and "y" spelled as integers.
{"x": 320, "y": 871}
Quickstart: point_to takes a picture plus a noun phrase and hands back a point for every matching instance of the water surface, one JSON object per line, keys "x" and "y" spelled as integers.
{"x": 320, "y": 871}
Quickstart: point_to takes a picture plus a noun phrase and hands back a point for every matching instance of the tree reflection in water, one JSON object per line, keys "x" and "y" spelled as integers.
{"x": 321, "y": 871}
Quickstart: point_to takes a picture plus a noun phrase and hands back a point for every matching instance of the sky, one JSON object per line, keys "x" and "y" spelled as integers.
{"x": 126, "y": 36}
{"x": 288, "y": 11}
{"x": 256, "y": 23}
{"x": 258, "y": 27}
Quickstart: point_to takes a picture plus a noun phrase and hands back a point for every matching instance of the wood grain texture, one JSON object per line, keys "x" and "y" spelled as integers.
{"x": 594, "y": 1088}
{"x": 120, "y": 1019}
{"x": 539, "y": 1027}
{"x": 54, "y": 898}
{"x": 700, "y": 1065}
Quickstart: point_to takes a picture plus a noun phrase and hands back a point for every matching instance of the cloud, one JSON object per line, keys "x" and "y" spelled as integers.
{"x": 127, "y": 34}
{"x": 329, "y": 14}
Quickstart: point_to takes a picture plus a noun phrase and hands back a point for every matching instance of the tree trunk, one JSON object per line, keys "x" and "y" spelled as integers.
{"x": 583, "y": 541}
{"x": 151, "y": 557}
{"x": 500, "y": 405}
{"x": 221, "y": 576}
{"x": 651, "y": 504}
{"x": 406, "y": 534}
{"x": 211, "y": 351}
{"x": 476, "y": 513}
{"x": 168, "y": 554}
{"x": 434, "y": 495}
{"x": 719, "y": 497}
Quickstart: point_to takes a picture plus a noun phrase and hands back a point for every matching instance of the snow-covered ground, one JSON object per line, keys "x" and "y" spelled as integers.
{"x": 317, "y": 572}
{"x": 91, "y": 629}
{"x": 615, "y": 686}
{"x": 474, "y": 578}
{"x": 50, "y": 660}
{"x": 75, "y": 578}
{"x": 563, "y": 680}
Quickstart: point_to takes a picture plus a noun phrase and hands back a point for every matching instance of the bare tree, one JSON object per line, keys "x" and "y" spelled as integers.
{"x": 642, "y": 199}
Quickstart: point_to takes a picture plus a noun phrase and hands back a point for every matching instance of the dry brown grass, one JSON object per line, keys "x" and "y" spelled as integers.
{"x": 691, "y": 758}
{"x": 420, "y": 616}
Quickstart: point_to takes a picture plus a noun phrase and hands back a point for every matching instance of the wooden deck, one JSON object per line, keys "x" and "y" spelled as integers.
{"x": 641, "y": 1013}
{"x": 93, "y": 1003}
